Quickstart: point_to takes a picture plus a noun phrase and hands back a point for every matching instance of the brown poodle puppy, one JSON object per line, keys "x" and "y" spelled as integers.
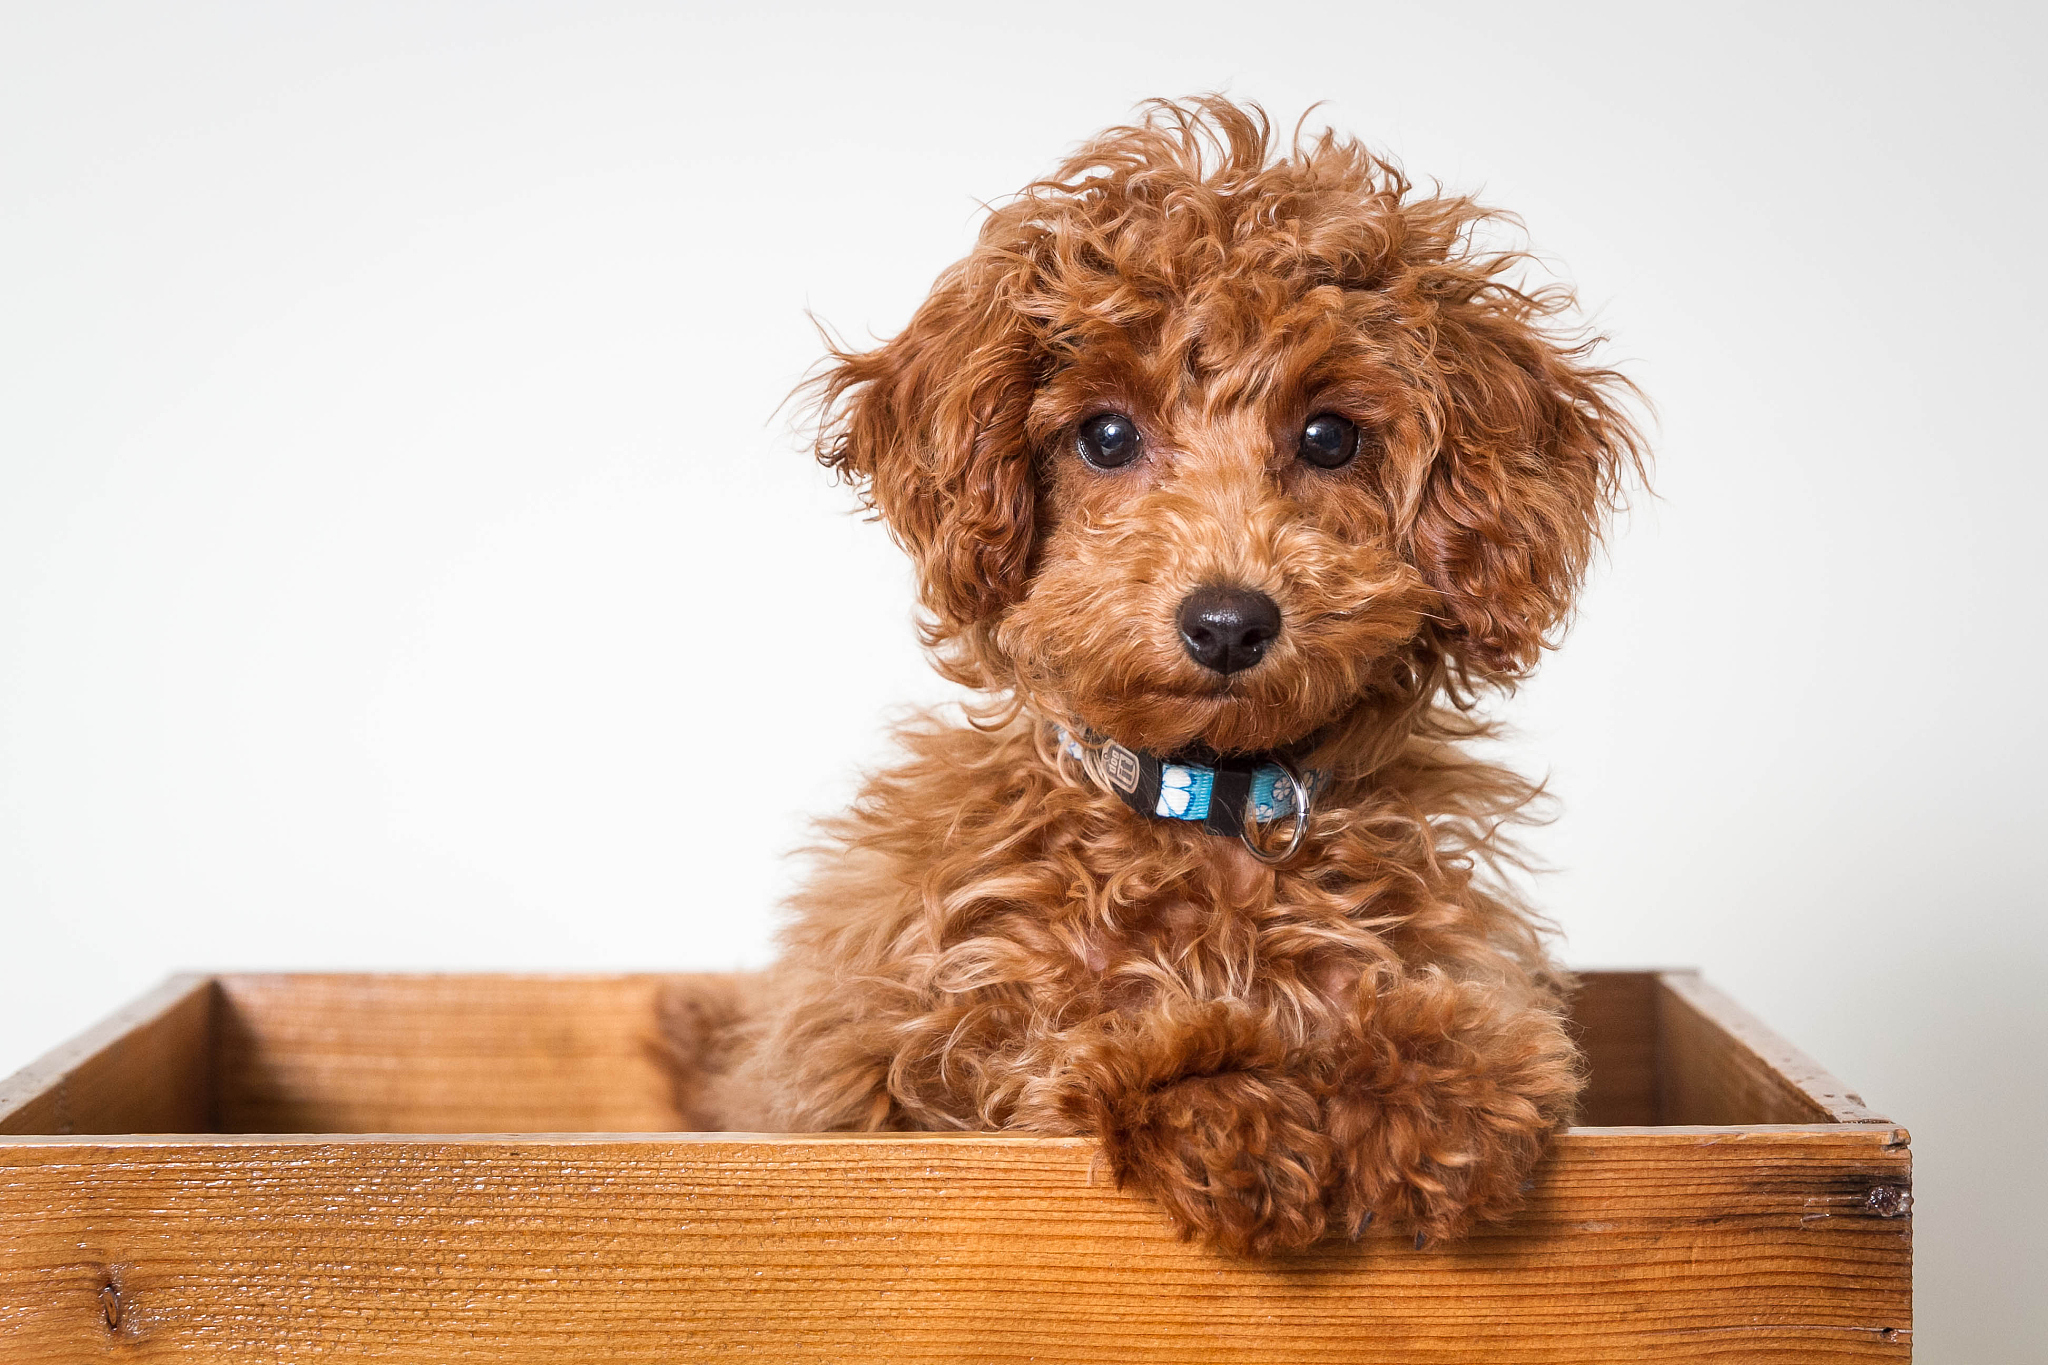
{"x": 1234, "y": 474}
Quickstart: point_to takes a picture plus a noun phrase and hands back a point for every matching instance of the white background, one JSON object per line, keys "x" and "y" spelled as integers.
{"x": 402, "y": 561}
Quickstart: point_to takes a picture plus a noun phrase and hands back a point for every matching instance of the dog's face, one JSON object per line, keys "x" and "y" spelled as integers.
{"x": 1219, "y": 453}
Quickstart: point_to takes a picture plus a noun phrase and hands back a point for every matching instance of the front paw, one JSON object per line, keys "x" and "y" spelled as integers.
{"x": 1438, "y": 1130}
{"x": 1427, "y": 1172}
{"x": 1237, "y": 1159}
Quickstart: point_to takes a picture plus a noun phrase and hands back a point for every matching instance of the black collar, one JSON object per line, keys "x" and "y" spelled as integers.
{"x": 1226, "y": 794}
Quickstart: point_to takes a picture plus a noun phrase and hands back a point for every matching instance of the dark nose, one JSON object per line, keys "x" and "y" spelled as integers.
{"x": 1227, "y": 629}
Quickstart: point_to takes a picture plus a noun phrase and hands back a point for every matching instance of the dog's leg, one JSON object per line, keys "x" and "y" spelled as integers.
{"x": 1202, "y": 1108}
{"x": 1440, "y": 1101}
{"x": 705, "y": 1024}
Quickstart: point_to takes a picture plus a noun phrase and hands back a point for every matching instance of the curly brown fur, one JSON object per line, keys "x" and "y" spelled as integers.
{"x": 1274, "y": 1054}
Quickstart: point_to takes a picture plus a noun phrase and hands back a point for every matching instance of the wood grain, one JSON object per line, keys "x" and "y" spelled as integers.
{"x": 147, "y": 1068}
{"x": 343, "y": 1053}
{"x": 1639, "y": 1245}
{"x": 1718, "y": 1063}
{"x": 1756, "y": 1243}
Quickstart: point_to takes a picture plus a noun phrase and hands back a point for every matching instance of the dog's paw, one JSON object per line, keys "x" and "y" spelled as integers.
{"x": 1435, "y": 1139}
{"x": 1236, "y": 1160}
{"x": 1433, "y": 1175}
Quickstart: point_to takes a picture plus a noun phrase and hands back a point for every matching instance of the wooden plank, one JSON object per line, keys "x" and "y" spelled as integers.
{"x": 1614, "y": 1017}
{"x": 1639, "y": 1245}
{"x": 145, "y": 1069}
{"x": 344, "y": 1053}
{"x": 1718, "y": 1063}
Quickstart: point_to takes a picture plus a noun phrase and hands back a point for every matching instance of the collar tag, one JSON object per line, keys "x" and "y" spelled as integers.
{"x": 1121, "y": 767}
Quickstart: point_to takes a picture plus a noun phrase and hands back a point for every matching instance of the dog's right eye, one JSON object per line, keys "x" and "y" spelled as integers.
{"x": 1109, "y": 441}
{"x": 1329, "y": 441}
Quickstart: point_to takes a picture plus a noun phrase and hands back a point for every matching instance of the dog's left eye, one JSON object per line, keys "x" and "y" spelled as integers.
{"x": 1109, "y": 441}
{"x": 1329, "y": 440}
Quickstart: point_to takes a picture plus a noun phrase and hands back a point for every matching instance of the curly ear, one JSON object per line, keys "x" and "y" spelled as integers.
{"x": 930, "y": 428}
{"x": 1534, "y": 451}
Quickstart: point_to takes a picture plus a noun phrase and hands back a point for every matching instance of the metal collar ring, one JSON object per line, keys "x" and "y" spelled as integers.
{"x": 1296, "y": 835}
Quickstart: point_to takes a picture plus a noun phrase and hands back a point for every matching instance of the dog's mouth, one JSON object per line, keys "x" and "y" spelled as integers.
{"x": 1225, "y": 716}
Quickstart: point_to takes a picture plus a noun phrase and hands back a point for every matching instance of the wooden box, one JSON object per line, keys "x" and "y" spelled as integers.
{"x": 443, "y": 1168}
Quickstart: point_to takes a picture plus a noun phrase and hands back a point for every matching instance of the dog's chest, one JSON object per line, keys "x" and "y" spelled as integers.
{"x": 1230, "y": 931}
